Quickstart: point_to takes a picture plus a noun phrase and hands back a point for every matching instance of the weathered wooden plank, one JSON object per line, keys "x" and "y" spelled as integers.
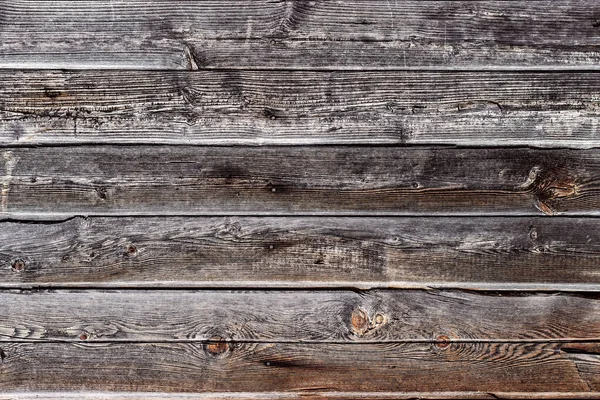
{"x": 301, "y": 368}
{"x": 494, "y": 253}
{"x": 300, "y": 107}
{"x": 358, "y": 34}
{"x": 142, "y": 180}
{"x": 386, "y": 316}
{"x": 366, "y": 395}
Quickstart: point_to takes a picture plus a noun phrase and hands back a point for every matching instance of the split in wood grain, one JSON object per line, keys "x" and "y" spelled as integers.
{"x": 300, "y": 108}
{"x": 346, "y": 180}
{"x": 349, "y": 34}
{"x": 301, "y": 368}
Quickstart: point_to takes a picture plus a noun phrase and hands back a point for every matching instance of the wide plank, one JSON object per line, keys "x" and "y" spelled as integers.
{"x": 301, "y": 368}
{"x": 150, "y": 180}
{"x": 257, "y": 316}
{"x": 357, "y": 34}
{"x": 300, "y": 107}
{"x": 533, "y": 253}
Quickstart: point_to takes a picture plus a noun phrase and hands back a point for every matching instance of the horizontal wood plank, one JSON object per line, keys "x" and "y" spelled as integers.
{"x": 142, "y": 180}
{"x": 365, "y": 395}
{"x": 494, "y": 253}
{"x": 359, "y": 34}
{"x": 386, "y": 316}
{"x": 300, "y": 107}
{"x": 301, "y": 368}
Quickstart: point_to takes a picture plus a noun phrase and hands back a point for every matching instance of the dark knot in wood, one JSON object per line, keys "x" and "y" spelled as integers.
{"x": 217, "y": 346}
{"x": 362, "y": 324}
{"x": 442, "y": 341}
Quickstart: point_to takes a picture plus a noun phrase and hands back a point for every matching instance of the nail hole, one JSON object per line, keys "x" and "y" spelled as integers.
{"x": 533, "y": 234}
{"x": 102, "y": 193}
{"x": 18, "y": 265}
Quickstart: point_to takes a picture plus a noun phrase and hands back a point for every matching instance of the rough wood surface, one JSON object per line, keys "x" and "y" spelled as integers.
{"x": 359, "y": 34}
{"x": 196, "y": 200}
{"x": 498, "y": 253}
{"x": 341, "y": 316}
{"x": 301, "y": 368}
{"x": 142, "y": 180}
{"x": 300, "y": 107}
{"x": 364, "y": 395}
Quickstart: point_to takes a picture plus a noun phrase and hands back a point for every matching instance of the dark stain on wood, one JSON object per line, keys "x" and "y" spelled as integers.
{"x": 299, "y": 180}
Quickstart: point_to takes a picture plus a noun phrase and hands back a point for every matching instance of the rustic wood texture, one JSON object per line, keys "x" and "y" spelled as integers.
{"x": 341, "y": 316}
{"x": 302, "y": 368}
{"x": 365, "y": 395}
{"x": 493, "y": 253}
{"x": 141, "y": 180}
{"x": 294, "y": 199}
{"x": 300, "y": 107}
{"x": 358, "y": 34}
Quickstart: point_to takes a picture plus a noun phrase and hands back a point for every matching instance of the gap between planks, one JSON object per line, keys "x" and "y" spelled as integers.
{"x": 300, "y": 341}
{"x": 311, "y": 285}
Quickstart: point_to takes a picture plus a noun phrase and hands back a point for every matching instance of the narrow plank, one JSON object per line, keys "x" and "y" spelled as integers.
{"x": 298, "y": 34}
{"x": 142, "y": 180}
{"x": 299, "y": 368}
{"x": 300, "y": 107}
{"x": 99, "y": 395}
{"x": 383, "y": 316}
{"x": 491, "y": 252}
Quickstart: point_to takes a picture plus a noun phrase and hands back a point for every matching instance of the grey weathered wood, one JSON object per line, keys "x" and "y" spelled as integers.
{"x": 142, "y": 180}
{"x": 366, "y": 395}
{"x": 301, "y": 368}
{"x": 359, "y": 34}
{"x": 312, "y": 224}
{"x": 300, "y": 107}
{"x": 497, "y": 253}
{"x": 342, "y": 316}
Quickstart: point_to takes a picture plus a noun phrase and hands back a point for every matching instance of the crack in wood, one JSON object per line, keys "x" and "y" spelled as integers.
{"x": 10, "y": 163}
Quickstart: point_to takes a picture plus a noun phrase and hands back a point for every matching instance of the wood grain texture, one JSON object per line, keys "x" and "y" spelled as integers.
{"x": 358, "y": 34}
{"x": 300, "y": 107}
{"x": 141, "y": 180}
{"x": 301, "y": 368}
{"x": 365, "y": 395}
{"x": 495, "y": 253}
{"x": 383, "y": 316}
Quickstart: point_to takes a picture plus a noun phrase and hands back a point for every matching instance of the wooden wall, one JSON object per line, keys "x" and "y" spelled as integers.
{"x": 263, "y": 199}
